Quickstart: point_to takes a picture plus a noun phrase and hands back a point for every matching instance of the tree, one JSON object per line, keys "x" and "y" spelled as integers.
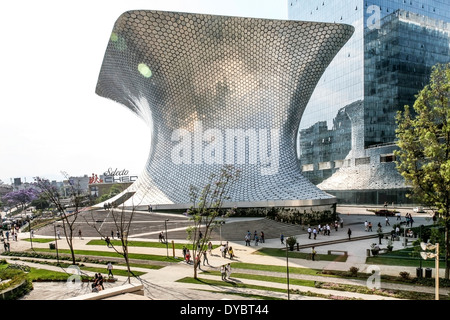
{"x": 207, "y": 206}
{"x": 21, "y": 197}
{"x": 122, "y": 221}
{"x": 75, "y": 200}
{"x": 423, "y": 157}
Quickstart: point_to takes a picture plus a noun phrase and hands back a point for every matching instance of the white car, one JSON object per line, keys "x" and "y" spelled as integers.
{"x": 418, "y": 210}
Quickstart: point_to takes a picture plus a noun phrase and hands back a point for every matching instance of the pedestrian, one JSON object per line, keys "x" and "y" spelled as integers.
{"x": 222, "y": 250}
{"x": 349, "y": 232}
{"x": 58, "y": 234}
{"x": 342, "y": 223}
{"x": 210, "y": 247}
{"x": 223, "y": 272}
{"x": 411, "y": 221}
{"x": 282, "y": 239}
{"x": 188, "y": 256}
{"x": 108, "y": 242}
{"x": 231, "y": 252}
{"x": 228, "y": 270}
{"x": 7, "y": 235}
{"x": 397, "y": 231}
{"x": 205, "y": 258}
{"x": 366, "y": 226}
{"x": 200, "y": 235}
{"x": 109, "y": 266}
{"x": 262, "y": 237}
{"x": 309, "y": 232}
{"x": 226, "y": 249}
{"x": 399, "y": 216}
{"x": 118, "y": 234}
{"x": 313, "y": 254}
{"x": 328, "y": 229}
{"x": 184, "y": 252}
{"x": 315, "y": 233}
{"x": 79, "y": 234}
{"x": 336, "y": 225}
{"x": 370, "y": 226}
{"x": 5, "y": 245}
{"x": 256, "y": 240}
{"x": 112, "y": 234}
{"x": 387, "y": 221}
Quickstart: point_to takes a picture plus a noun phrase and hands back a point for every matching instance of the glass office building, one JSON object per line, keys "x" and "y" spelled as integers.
{"x": 347, "y": 133}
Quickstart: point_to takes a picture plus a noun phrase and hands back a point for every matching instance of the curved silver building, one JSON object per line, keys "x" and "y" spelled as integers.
{"x": 219, "y": 90}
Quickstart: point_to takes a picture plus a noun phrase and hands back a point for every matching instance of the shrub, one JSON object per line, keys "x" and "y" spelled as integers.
{"x": 291, "y": 241}
{"x": 353, "y": 271}
{"x": 404, "y": 275}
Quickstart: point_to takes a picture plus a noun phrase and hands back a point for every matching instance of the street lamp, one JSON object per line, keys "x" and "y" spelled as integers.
{"x": 425, "y": 255}
{"x": 56, "y": 243}
{"x": 167, "y": 241}
{"x": 287, "y": 270}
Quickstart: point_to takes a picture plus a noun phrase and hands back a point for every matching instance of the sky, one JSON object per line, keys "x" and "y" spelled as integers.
{"x": 51, "y": 120}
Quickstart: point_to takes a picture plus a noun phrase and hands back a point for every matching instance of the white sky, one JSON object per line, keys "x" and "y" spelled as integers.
{"x": 51, "y": 52}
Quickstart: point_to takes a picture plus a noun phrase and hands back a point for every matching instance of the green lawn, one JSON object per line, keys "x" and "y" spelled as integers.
{"x": 274, "y": 252}
{"x": 138, "y": 256}
{"x": 404, "y": 257}
{"x": 147, "y": 244}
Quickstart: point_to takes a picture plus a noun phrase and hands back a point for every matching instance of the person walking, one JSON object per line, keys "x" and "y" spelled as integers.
{"x": 205, "y": 258}
{"x": 387, "y": 221}
{"x": 262, "y": 237}
{"x": 349, "y": 232}
{"x": 366, "y": 226}
{"x": 309, "y": 232}
{"x": 210, "y": 247}
{"x": 223, "y": 272}
{"x": 370, "y": 226}
{"x": 313, "y": 254}
{"x": 108, "y": 242}
{"x": 315, "y": 233}
{"x": 282, "y": 239}
{"x": 228, "y": 270}
{"x": 109, "y": 267}
{"x": 79, "y": 234}
{"x": 256, "y": 240}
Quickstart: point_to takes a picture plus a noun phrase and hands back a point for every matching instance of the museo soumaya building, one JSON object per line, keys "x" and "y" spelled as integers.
{"x": 215, "y": 91}
{"x": 347, "y": 132}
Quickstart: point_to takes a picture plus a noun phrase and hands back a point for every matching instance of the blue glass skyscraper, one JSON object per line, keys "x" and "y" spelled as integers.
{"x": 347, "y": 133}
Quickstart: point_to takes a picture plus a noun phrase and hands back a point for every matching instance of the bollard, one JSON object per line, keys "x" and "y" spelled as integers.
{"x": 173, "y": 248}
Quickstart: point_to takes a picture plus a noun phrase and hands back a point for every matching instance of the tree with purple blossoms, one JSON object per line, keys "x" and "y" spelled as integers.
{"x": 21, "y": 197}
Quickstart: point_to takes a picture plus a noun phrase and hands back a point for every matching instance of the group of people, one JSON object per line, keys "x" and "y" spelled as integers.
{"x": 323, "y": 229}
{"x": 367, "y": 226}
{"x": 256, "y": 238}
{"x": 226, "y": 249}
{"x": 225, "y": 271}
{"x": 97, "y": 285}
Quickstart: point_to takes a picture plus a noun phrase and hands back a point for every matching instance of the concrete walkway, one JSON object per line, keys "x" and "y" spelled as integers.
{"x": 162, "y": 284}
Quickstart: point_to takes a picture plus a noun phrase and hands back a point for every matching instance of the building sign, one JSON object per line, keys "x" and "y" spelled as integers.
{"x": 113, "y": 176}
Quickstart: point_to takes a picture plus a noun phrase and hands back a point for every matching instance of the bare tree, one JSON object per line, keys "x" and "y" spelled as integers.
{"x": 122, "y": 219}
{"x": 207, "y": 206}
{"x": 74, "y": 200}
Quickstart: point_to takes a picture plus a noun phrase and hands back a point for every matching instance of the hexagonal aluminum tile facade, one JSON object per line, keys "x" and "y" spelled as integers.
{"x": 219, "y": 90}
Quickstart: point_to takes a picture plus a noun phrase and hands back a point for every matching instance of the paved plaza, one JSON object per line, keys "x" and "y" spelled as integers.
{"x": 162, "y": 284}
